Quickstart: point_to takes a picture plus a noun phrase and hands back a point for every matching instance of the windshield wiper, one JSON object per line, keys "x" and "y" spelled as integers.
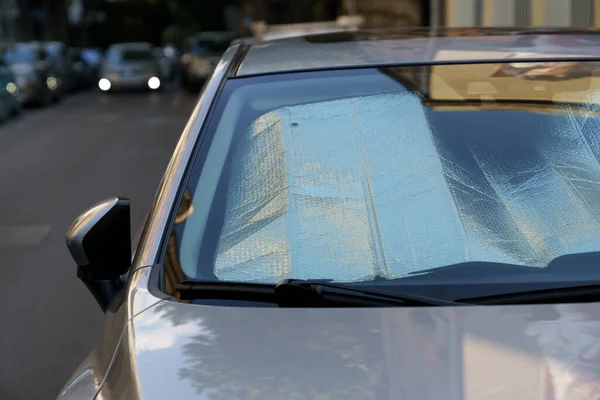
{"x": 304, "y": 293}
{"x": 568, "y": 294}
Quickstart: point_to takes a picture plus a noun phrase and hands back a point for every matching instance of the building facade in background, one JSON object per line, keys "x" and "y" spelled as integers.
{"x": 9, "y": 20}
{"x": 404, "y": 13}
{"x": 535, "y": 13}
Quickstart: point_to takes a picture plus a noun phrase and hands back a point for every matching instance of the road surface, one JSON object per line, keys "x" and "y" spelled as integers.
{"x": 54, "y": 163}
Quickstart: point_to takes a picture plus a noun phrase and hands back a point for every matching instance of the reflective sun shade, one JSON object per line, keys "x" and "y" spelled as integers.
{"x": 362, "y": 178}
{"x": 362, "y": 184}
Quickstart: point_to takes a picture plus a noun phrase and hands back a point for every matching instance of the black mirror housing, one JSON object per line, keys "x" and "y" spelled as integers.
{"x": 99, "y": 241}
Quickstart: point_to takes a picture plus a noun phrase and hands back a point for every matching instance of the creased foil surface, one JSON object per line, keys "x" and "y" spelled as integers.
{"x": 362, "y": 187}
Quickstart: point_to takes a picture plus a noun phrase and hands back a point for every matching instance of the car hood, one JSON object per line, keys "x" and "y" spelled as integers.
{"x": 175, "y": 350}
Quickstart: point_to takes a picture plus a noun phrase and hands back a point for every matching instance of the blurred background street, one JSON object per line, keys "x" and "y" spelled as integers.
{"x": 53, "y": 164}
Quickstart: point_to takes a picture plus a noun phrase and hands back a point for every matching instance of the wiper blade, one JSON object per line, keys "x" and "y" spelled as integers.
{"x": 323, "y": 291}
{"x": 304, "y": 293}
{"x": 568, "y": 294}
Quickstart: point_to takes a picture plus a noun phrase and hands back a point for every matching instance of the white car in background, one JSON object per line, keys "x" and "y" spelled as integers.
{"x": 130, "y": 66}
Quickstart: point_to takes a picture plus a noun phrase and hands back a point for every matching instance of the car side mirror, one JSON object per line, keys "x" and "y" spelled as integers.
{"x": 99, "y": 241}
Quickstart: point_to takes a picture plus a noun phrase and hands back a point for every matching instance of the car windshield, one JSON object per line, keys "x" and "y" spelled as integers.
{"x": 20, "y": 54}
{"x": 373, "y": 175}
{"x": 117, "y": 56}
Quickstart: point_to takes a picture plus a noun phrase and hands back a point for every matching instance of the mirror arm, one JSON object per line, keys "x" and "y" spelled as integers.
{"x": 104, "y": 291}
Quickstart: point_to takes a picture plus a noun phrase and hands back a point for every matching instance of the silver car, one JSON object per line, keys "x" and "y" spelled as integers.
{"x": 130, "y": 66}
{"x": 361, "y": 216}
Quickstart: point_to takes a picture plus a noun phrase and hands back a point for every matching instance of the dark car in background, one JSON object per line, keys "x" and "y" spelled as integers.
{"x": 200, "y": 56}
{"x": 58, "y": 53}
{"x": 168, "y": 62}
{"x": 82, "y": 75}
{"x": 36, "y": 74}
{"x": 130, "y": 66}
{"x": 10, "y": 95}
{"x": 93, "y": 58}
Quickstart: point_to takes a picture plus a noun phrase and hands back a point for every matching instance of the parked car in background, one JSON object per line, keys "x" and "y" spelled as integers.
{"x": 10, "y": 95}
{"x": 82, "y": 75}
{"x": 362, "y": 215}
{"x": 93, "y": 57}
{"x": 130, "y": 66}
{"x": 58, "y": 53}
{"x": 168, "y": 62}
{"x": 36, "y": 74}
{"x": 200, "y": 56}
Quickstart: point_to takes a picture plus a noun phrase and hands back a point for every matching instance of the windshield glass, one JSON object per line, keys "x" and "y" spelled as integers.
{"x": 116, "y": 56}
{"x": 372, "y": 175}
{"x": 20, "y": 54}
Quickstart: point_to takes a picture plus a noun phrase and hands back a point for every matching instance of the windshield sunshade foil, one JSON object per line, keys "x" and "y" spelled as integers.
{"x": 368, "y": 187}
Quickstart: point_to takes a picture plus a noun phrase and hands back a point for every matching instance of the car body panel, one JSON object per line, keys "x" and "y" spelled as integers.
{"x": 93, "y": 370}
{"x": 401, "y": 47}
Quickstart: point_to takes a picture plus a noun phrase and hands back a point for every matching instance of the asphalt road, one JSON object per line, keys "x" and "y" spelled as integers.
{"x": 54, "y": 163}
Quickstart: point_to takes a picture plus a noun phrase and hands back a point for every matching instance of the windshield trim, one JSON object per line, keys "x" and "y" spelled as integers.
{"x": 418, "y": 63}
{"x": 157, "y": 229}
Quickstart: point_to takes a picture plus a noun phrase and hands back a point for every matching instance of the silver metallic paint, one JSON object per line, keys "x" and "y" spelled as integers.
{"x": 187, "y": 351}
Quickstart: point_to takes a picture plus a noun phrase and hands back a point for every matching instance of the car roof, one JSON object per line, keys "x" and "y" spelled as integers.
{"x": 417, "y": 46}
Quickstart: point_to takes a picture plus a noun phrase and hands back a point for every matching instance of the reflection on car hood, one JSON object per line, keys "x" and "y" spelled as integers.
{"x": 517, "y": 352}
